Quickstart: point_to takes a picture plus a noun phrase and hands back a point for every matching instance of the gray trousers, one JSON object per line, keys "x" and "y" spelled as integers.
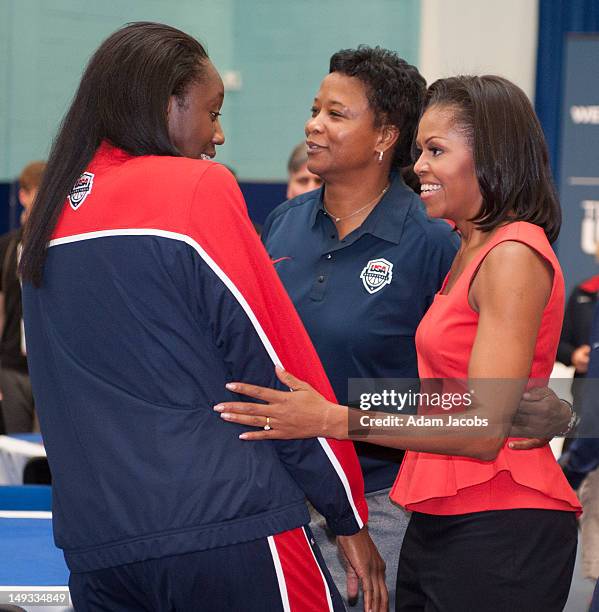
{"x": 387, "y": 524}
{"x": 17, "y": 401}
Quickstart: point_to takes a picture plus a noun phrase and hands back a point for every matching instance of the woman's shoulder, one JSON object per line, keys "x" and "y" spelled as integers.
{"x": 298, "y": 210}
{"x": 522, "y": 231}
{"x": 173, "y": 172}
{"x": 517, "y": 250}
{"x": 519, "y": 240}
{"x": 435, "y": 230}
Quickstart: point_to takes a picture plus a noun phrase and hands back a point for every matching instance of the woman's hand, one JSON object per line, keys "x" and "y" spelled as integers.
{"x": 364, "y": 565}
{"x": 540, "y": 417}
{"x": 580, "y": 358}
{"x": 299, "y": 413}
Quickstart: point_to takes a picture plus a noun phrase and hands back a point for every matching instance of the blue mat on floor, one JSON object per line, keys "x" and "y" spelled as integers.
{"x": 29, "y": 556}
{"x": 25, "y": 497}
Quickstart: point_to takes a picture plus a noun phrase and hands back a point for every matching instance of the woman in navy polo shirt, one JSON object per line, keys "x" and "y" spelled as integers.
{"x": 360, "y": 258}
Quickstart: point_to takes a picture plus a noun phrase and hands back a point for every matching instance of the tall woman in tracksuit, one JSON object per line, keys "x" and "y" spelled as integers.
{"x": 145, "y": 290}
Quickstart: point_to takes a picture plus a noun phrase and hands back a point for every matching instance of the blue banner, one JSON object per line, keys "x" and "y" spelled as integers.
{"x": 579, "y": 171}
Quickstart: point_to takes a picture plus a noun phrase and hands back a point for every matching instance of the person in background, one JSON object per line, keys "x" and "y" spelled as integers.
{"x": 574, "y": 347}
{"x": 581, "y": 461}
{"x": 17, "y": 410}
{"x": 145, "y": 288}
{"x": 300, "y": 179}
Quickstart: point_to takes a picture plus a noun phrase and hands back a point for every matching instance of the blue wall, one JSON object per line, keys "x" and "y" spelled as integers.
{"x": 45, "y": 44}
{"x": 280, "y": 47}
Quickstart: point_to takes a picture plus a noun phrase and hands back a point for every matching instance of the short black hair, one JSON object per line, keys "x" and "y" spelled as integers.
{"x": 123, "y": 98}
{"x": 508, "y": 147}
{"x": 395, "y": 91}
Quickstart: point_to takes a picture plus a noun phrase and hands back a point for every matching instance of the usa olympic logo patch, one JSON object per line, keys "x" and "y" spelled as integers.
{"x": 376, "y": 274}
{"x": 81, "y": 189}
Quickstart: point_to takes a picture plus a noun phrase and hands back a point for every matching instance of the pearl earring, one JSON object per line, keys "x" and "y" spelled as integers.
{"x": 380, "y": 156}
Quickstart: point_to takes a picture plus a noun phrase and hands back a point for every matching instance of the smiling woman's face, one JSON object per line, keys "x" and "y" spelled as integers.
{"x": 341, "y": 134}
{"x": 193, "y": 122}
{"x": 445, "y": 167}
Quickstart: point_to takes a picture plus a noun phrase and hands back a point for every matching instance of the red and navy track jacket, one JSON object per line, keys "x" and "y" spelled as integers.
{"x": 156, "y": 292}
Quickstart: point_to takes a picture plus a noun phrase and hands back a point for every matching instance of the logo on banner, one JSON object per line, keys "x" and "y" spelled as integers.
{"x": 589, "y": 234}
{"x": 81, "y": 190}
{"x": 585, "y": 114}
{"x": 376, "y": 274}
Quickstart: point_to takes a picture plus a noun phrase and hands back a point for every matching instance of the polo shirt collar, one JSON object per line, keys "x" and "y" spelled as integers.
{"x": 387, "y": 219}
{"x": 317, "y": 206}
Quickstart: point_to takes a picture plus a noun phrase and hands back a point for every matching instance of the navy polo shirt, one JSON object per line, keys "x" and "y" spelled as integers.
{"x": 362, "y": 298}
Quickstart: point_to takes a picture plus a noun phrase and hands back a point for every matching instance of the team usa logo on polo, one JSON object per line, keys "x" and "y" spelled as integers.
{"x": 81, "y": 190}
{"x": 376, "y": 274}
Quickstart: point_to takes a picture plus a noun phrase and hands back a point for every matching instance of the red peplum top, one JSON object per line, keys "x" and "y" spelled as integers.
{"x": 445, "y": 484}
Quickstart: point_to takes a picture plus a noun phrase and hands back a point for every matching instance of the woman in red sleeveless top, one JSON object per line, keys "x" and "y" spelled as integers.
{"x": 492, "y": 528}
{"x": 496, "y": 322}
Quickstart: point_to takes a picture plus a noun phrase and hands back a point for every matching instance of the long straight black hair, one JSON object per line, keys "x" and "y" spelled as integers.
{"x": 123, "y": 98}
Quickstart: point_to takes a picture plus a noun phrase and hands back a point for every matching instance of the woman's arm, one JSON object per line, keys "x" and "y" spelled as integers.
{"x": 510, "y": 291}
{"x": 541, "y": 416}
